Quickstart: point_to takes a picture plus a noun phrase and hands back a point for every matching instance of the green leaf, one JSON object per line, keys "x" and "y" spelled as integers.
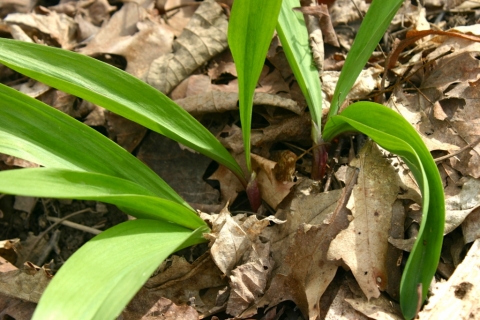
{"x": 68, "y": 184}
{"x": 374, "y": 25}
{"x": 250, "y": 32}
{"x": 393, "y": 133}
{"x": 104, "y": 274}
{"x": 31, "y": 130}
{"x": 114, "y": 90}
{"x": 293, "y": 35}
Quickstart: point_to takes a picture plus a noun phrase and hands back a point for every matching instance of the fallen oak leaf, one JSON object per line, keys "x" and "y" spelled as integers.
{"x": 363, "y": 245}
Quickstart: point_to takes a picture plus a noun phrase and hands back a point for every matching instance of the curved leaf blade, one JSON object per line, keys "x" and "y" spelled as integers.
{"x": 114, "y": 90}
{"x": 392, "y": 132}
{"x": 105, "y": 273}
{"x": 68, "y": 184}
{"x": 293, "y": 35}
{"x": 250, "y": 32}
{"x": 374, "y": 25}
{"x": 34, "y": 131}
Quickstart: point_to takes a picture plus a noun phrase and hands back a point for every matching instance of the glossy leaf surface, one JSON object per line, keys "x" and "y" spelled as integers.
{"x": 105, "y": 273}
{"x": 67, "y": 184}
{"x": 250, "y": 32}
{"x": 374, "y": 25}
{"x": 293, "y": 35}
{"x": 32, "y": 130}
{"x": 114, "y": 90}
{"x": 393, "y": 133}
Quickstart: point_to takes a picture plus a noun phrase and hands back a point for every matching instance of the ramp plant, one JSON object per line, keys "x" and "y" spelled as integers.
{"x": 79, "y": 163}
{"x": 381, "y": 124}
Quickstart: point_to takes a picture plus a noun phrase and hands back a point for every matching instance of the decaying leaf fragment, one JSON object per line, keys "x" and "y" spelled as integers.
{"x": 204, "y": 37}
{"x": 196, "y": 284}
{"x": 26, "y": 283}
{"x": 299, "y": 248}
{"x": 363, "y": 245}
{"x": 240, "y": 253}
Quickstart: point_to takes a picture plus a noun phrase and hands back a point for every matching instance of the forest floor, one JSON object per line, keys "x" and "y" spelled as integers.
{"x": 316, "y": 270}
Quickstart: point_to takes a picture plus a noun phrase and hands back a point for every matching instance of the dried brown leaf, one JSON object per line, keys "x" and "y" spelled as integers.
{"x": 26, "y": 283}
{"x": 126, "y": 133}
{"x": 129, "y": 34}
{"x": 60, "y": 27}
{"x": 363, "y": 246}
{"x": 230, "y": 186}
{"x": 299, "y": 248}
{"x": 218, "y": 101}
{"x": 183, "y": 283}
{"x": 204, "y": 37}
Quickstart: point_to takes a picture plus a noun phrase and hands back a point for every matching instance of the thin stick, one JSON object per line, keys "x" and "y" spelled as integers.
{"x": 44, "y": 233}
{"x": 470, "y": 145}
{"x": 74, "y": 225}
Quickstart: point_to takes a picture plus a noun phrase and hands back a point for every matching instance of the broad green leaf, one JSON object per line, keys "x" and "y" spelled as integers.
{"x": 114, "y": 90}
{"x": 68, "y": 184}
{"x": 31, "y": 130}
{"x": 105, "y": 273}
{"x": 374, "y": 25}
{"x": 250, "y": 32}
{"x": 393, "y": 133}
{"x": 293, "y": 35}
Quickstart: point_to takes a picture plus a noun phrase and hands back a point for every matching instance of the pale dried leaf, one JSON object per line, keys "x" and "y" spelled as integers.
{"x": 293, "y": 129}
{"x": 458, "y": 207}
{"x": 129, "y": 34}
{"x": 218, "y": 101}
{"x": 340, "y": 309}
{"x": 232, "y": 237}
{"x": 178, "y": 19}
{"x": 378, "y": 309}
{"x": 60, "y": 27}
{"x": 366, "y": 82}
{"x": 471, "y": 226}
{"x": 345, "y": 11}
{"x": 363, "y": 246}
{"x": 249, "y": 279}
{"x": 19, "y": 34}
{"x": 272, "y": 190}
{"x": 32, "y": 88}
{"x": 458, "y": 298}
{"x": 204, "y": 37}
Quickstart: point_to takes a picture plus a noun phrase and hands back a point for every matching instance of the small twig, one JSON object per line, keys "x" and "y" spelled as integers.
{"x": 470, "y": 145}
{"x": 44, "y": 233}
{"x": 74, "y": 225}
{"x": 49, "y": 247}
